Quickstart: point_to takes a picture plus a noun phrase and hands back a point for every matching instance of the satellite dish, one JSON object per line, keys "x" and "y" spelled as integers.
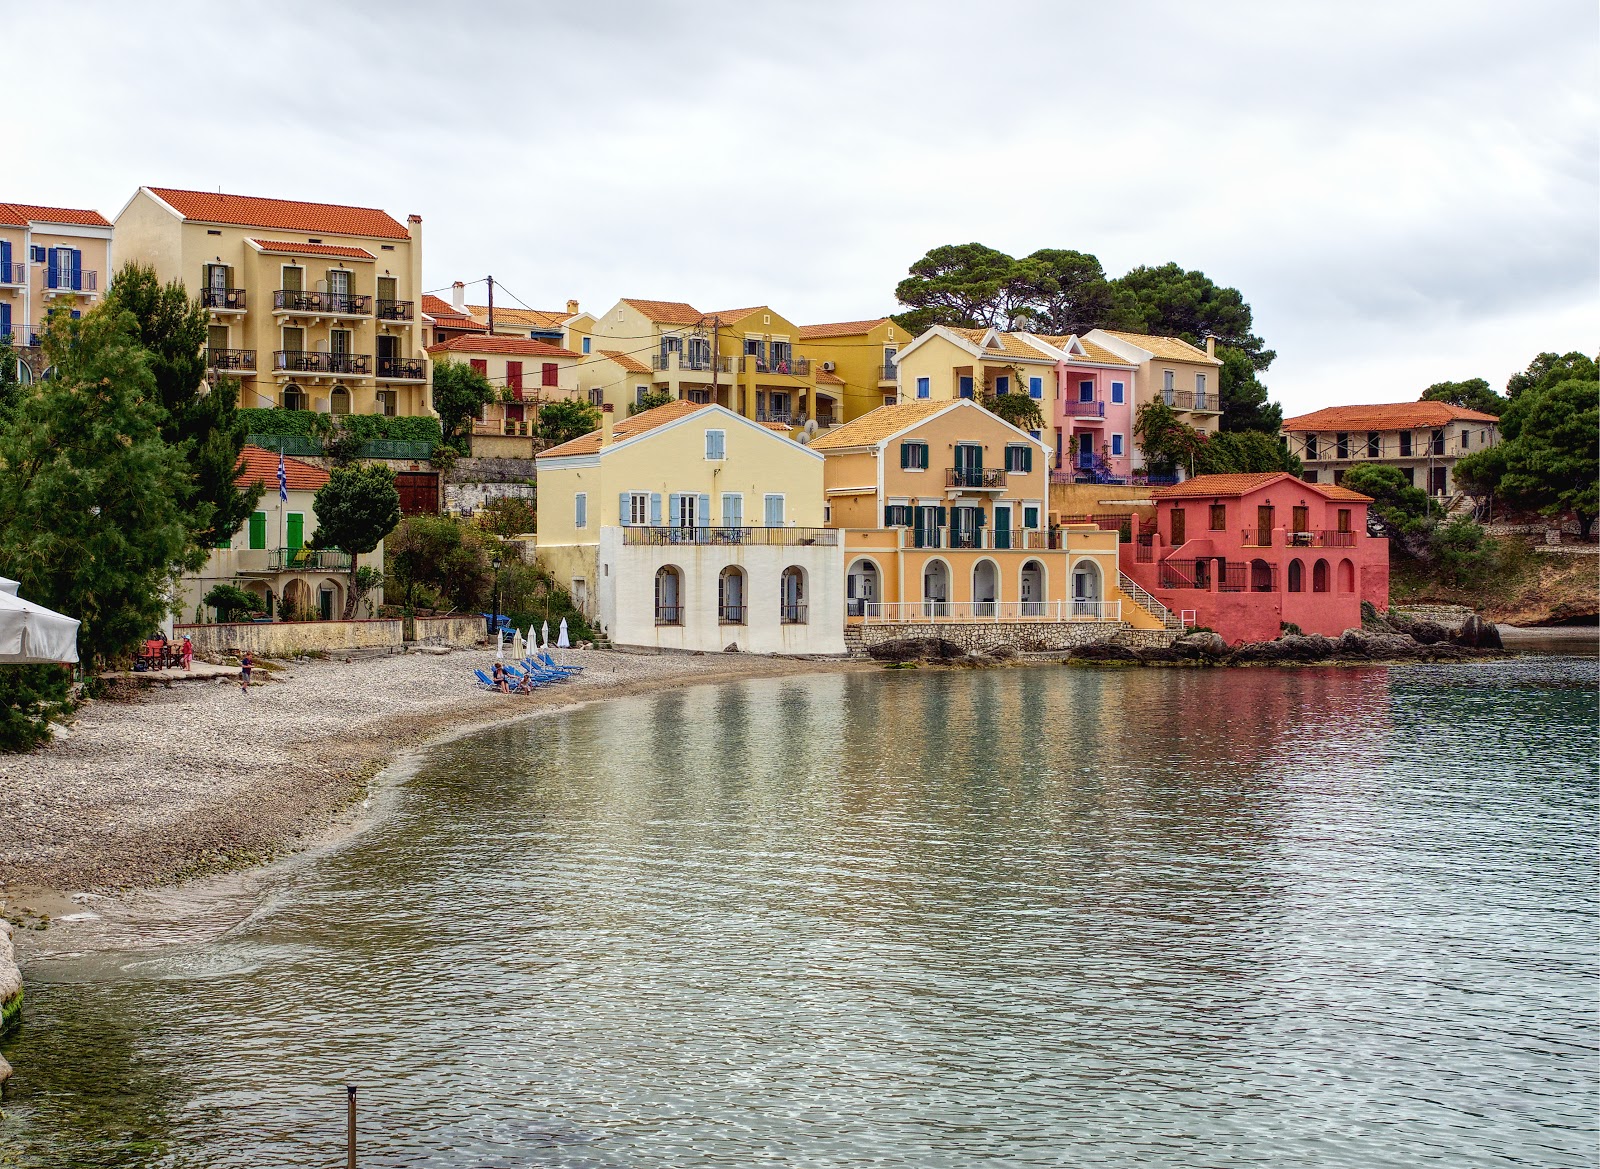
{"x": 810, "y": 429}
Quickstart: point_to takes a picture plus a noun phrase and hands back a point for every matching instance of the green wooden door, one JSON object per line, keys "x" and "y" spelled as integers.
{"x": 258, "y": 529}
{"x": 297, "y": 530}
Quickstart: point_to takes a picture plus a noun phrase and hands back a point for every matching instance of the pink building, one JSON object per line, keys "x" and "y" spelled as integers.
{"x": 1093, "y": 413}
{"x": 1246, "y": 554}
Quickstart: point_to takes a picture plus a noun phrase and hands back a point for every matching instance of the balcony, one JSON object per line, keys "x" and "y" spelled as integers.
{"x": 674, "y": 360}
{"x": 891, "y": 371}
{"x": 634, "y": 536}
{"x": 63, "y": 280}
{"x": 921, "y": 612}
{"x": 791, "y": 613}
{"x": 312, "y": 362}
{"x": 329, "y": 304}
{"x": 402, "y": 369}
{"x": 231, "y": 360}
{"x": 396, "y": 310}
{"x": 1207, "y": 404}
{"x": 1083, "y": 409}
{"x": 223, "y": 300}
{"x": 1321, "y": 538}
{"x": 975, "y": 479}
{"x": 308, "y": 560}
{"x": 14, "y": 273}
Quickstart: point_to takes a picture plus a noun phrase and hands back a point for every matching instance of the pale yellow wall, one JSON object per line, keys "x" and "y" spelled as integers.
{"x": 944, "y": 363}
{"x": 858, "y": 359}
{"x": 970, "y": 424}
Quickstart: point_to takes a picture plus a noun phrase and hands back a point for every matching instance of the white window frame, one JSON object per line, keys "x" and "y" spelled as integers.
{"x": 688, "y": 506}
{"x": 580, "y": 510}
{"x": 638, "y": 505}
{"x": 1199, "y": 383}
{"x": 716, "y": 451}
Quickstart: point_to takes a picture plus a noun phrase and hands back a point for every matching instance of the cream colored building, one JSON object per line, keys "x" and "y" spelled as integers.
{"x": 524, "y": 373}
{"x": 1184, "y": 377}
{"x": 947, "y": 364}
{"x": 1423, "y": 440}
{"x": 50, "y": 258}
{"x": 690, "y": 527}
{"x": 863, "y": 356}
{"x": 314, "y": 306}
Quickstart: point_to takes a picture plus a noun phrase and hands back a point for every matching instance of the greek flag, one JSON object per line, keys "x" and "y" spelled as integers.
{"x": 283, "y": 481}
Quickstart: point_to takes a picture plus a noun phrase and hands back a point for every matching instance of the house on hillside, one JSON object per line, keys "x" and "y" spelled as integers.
{"x": 270, "y": 557}
{"x": 1246, "y": 554}
{"x": 1425, "y": 440}
{"x": 692, "y": 527}
{"x": 1184, "y": 377}
{"x": 859, "y": 358}
{"x": 50, "y": 258}
{"x": 524, "y": 373}
{"x": 948, "y": 364}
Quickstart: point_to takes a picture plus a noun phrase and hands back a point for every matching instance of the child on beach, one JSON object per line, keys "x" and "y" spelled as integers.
{"x": 188, "y": 653}
{"x": 245, "y": 662}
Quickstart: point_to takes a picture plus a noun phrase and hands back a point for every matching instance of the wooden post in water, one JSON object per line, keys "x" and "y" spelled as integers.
{"x": 350, "y": 1127}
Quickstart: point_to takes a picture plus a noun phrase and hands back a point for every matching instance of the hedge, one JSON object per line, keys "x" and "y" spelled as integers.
{"x": 362, "y": 427}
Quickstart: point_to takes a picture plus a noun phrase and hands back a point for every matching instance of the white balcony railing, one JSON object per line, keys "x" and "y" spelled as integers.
{"x": 926, "y": 612}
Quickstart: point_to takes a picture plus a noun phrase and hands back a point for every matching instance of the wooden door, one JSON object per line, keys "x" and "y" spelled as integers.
{"x": 1264, "y": 526}
{"x": 1178, "y": 534}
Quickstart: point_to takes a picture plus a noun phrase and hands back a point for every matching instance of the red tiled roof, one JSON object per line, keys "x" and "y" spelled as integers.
{"x": 285, "y": 214}
{"x": 259, "y": 465}
{"x": 1385, "y": 416}
{"x": 445, "y": 315}
{"x": 269, "y": 245}
{"x": 522, "y": 346}
{"x": 839, "y": 329}
{"x": 20, "y": 214}
{"x": 589, "y": 444}
{"x": 631, "y": 364}
{"x": 1229, "y": 486}
{"x": 666, "y": 312}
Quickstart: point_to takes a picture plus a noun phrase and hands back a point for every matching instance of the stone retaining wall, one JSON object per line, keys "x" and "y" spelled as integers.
{"x": 1148, "y": 638}
{"x": 1450, "y": 616}
{"x": 982, "y": 636}
{"x": 455, "y": 630}
{"x": 287, "y": 639}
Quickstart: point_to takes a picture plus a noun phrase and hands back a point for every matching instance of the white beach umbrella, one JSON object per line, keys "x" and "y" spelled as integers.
{"x": 7, "y": 585}
{"x": 32, "y": 634}
{"x": 518, "y": 652}
{"x": 499, "y": 645}
{"x": 561, "y": 638}
{"x": 547, "y": 635}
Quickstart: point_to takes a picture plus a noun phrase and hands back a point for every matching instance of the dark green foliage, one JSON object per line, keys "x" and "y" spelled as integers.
{"x": 30, "y": 696}
{"x": 566, "y": 419}
{"x": 1066, "y": 291}
{"x": 650, "y": 400}
{"x": 1172, "y": 302}
{"x": 92, "y": 511}
{"x": 509, "y": 515}
{"x": 530, "y": 596}
{"x": 230, "y": 601}
{"x": 1549, "y": 368}
{"x": 1399, "y": 511}
{"x": 204, "y": 425}
{"x": 969, "y": 285}
{"x": 1463, "y": 555}
{"x": 363, "y": 428}
{"x": 1018, "y": 409}
{"x": 356, "y": 508}
{"x": 1473, "y": 394}
{"x": 1167, "y": 441}
{"x": 1245, "y": 405}
{"x": 459, "y": 394}
{"x": 1244, "y": 452}
{"x": 10, "y": 380}
{"x": 439, "y": 557}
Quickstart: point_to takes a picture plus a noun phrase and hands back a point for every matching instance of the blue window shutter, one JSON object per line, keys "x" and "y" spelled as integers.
{"x": 77, "y": 315}
{"x": 36, "y": 253}
{"x": 702, "y": 515}
{"x": 5, "y": 258}
{"x": 1116, "y": 391}
{"x": 1036, "y": 387}
{"x": 77, "y": 269}
{"x": 5, "y": 317}
{"x": 1002, "y": 385}
{"x": 655, "y": 509}
{"x": 52, "y": 268}
{"x": 966, "y": 387}
{"x": 623, "y": 509}
{"x": 672, "y": 507}
{"x": 922, "y": 387}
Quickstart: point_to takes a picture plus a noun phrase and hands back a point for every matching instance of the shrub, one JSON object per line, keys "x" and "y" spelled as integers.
{"x": 229, "y": 600}
{"x": 30, "y": 696}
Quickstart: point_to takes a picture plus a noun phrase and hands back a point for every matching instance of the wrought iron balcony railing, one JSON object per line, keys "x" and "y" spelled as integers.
{"x": 982, "y": 478}
{"x": 309, "y": 559}
{"x": 225, "y": 299}
{"x": 396, "y": 310}
{"x": 1083, "y": 409}
{"x": 310, "y": 361}
{"x": 344, "y": 304}
{"x": 231, "y": 360}
{"x": 402, "y": 368}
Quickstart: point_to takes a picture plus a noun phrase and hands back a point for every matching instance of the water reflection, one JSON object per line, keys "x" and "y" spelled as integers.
{"x": 1034, "y": 916}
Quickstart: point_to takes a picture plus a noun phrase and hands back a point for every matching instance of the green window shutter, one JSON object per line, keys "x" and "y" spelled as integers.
{"x": 297, "y": 530}
{"x": 1027, "y": 460}
{"x": 258, "y": 529}
{"x": 905, "y": 455}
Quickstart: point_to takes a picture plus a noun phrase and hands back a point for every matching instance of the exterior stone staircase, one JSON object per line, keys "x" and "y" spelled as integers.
{"x": 1168, "y": 619}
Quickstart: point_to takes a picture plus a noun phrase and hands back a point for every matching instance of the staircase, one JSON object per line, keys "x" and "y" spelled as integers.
{"x": 1168, "y": 619}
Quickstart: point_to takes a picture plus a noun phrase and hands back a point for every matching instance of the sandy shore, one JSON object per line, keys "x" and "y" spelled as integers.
{"x": 196, "y": 778}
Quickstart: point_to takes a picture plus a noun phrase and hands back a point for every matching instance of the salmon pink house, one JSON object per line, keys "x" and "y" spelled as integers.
{"x": 1247, "y": 554}
{"x": 1093, "y": 412}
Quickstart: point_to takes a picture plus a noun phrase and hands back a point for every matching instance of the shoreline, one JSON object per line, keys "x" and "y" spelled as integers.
{"x": 122, "y": 845}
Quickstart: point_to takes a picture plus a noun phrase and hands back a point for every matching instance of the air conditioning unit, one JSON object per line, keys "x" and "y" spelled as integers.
{"x": 827, "y": 367}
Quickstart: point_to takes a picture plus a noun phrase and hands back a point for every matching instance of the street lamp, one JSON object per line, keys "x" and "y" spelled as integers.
{"x": 494, "y": 563}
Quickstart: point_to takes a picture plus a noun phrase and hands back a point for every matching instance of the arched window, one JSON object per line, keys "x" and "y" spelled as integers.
{"x": 1297, "y": 577}
{"x": 339, "y": 401}
{"x": 669, "y": 596}
{"x": 1262, "y": 577}
{"x": 935, "y": 589}
{"x": 861, "y": 590}
{"x": 1319, "y": 577}
{"x": 1086, "y": 589}
{"x": 1347, "y": 576}
{"x": 1030, "y": 589}
{"x": 730, "y": 596}
{"x": 985, "y": 589}
{"x": 792, "y": 596}
{"x": 294, "y": 398}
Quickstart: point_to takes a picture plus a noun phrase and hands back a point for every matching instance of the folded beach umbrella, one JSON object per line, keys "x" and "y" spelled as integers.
{"x": 499, "y": 645}
{"x": 32, "y": 634}
{"x": 547, "y": 635}
{"x": 561, "y": 638}
{"x": 517, "y": 650}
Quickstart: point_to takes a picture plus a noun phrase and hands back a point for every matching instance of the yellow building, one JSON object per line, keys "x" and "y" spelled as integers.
{"x": 947, "y": 364}
{"x": 943, "y": 509}
{"x": 1186, "y": 378}
{"x": 313, "y": 305}
{"x": 862, "y": 355}
{"x": 690, "y": 527}
{"x": 50, "y": 257}
{"x": 746, "y": 359}
{"x": 566, "y": 328}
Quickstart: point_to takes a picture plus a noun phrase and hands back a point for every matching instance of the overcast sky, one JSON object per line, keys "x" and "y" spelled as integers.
{"x": 1404, "y": 192}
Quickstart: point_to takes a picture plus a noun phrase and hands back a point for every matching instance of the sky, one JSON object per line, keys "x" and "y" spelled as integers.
{"x": 1404, "y": 192}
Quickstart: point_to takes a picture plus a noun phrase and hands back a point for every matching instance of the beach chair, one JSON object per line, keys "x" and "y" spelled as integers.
{"x": 485, "y": 681}
{"x": 540, "y": 673}
{"x": 551, "y": 664}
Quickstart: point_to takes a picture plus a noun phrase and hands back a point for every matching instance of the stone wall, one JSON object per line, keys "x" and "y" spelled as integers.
{"x": 454, "y": 630}
{"x": 474, "y": 482}
{"x": 981, "y": 636}
{"x": 1449, "y": 616}
{"x": 1148, "y": 638}
{"x": 282, "y": 639}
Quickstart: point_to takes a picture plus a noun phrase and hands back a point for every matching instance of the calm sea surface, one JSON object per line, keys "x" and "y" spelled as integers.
{"x": 1020, "y": 917}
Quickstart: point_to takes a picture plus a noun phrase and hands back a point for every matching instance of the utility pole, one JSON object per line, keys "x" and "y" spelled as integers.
{"x": 491, "y": 305}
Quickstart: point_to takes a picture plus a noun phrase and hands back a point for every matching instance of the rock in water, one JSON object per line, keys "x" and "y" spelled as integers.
{"x": 1476, "y": 633}
{"x": 1208, "y": 645}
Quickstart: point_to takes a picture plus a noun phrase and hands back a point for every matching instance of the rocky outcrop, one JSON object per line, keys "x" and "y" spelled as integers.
{"x": 916, "y": 649}
{"x": 1476, "y": 633}
{"x": 1201, "y": 646}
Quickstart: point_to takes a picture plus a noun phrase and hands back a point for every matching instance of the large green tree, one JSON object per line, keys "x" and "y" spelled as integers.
{"x": 1472, "y": 394}
{"x": 966, "y": 285}
{"x": 356, "y": 508}
{"x": 1245, "y": 404}
{"x": 201, "y": 421}
{"x": 442, "y": 555}
{"x": 1549, "y": 368}
{"x": 93, "y": 500}
{"x": 459, "y": 394}
{"x": 1399, "y": 511}
{"x": 1065, "y": 292}
{"x": 565, "y": 419}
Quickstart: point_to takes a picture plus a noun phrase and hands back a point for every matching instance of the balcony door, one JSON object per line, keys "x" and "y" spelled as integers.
{"x": 969, "y": 462}
{"x": 1264, "y": 526}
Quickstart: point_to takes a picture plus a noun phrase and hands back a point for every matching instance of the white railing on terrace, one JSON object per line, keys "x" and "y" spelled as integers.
{"x": 637, "y": 535}
{"x": 923, "y": 612}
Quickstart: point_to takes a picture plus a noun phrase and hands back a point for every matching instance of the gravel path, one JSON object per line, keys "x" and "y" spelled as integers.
{"x": 199, "y": 778}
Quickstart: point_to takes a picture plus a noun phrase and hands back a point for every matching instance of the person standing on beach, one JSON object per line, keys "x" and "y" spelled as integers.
{"x": 188, "y": 653}
{"x": 245, "y": 662}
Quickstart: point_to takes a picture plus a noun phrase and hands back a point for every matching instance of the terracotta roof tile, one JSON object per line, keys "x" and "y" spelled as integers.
{"x": 838, "y": 329}
{"x": 1098, "y": 354}
{"x": 826, "y": 377}
{"x": 634, "y": 424}
{"x": 21, "y": 214}
{"x": 877, "y": 425}
{"x": 1011, "y": 344}
{"x": 445, "y": 315}
{"x": 285, "y": 214}
{"x": 489, "y": 343}
{"x": 1228, "y": 486}
{"x": 666, "y": 312}
{"x": 268, "y": 245}
{"x": 532, "y": 317}
{"x": 1171, "y": 348}
{"x": 259, "y": 465}
{"x": 631, "y": 364}
{"x": 732, "y": 316}
{"x": 1385, "y": 416}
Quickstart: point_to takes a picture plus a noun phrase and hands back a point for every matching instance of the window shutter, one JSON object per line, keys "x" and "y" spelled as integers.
{"x": 982, "y": 517}
{"x": 625, "y": 508}
{"x": 905, "y": 455}
{"x": 944, "y": 515}
{"x": 550, "y": 372}
{"x": 702, "y": 515}
{"x": 655, "y": 509}
{"x": 52, "y": 269}
{"x": 5, "y": 258}
{"x": 672, "y": 508}
{"x": 1027, "y": 460}
{"x": 258, "y": 529}
{"x": 296, "y": 536}
{"x": 5, "y": 318}
{"x": 77, "y": 269}
{"x": 479, "y": 365}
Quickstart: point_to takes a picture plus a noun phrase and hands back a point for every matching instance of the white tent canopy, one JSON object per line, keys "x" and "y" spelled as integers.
{"x": 31, "y": 633}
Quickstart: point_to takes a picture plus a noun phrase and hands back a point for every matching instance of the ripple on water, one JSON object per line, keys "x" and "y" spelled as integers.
{"x": 1032, "y": 917}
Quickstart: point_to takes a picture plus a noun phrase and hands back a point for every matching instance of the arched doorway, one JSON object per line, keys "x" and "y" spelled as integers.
{"x": 792, "y": 596}
{"x": 1319, "y": 577}
{"x": 862, "y": 589}
{"x": 985, "y": 588}
{"x": 1261, "y": 577}
{"x": 669, "y": 596}
{"x": 330, "y": 600}
{"x": 1086, "y": 592}
{"x": 1297, "y": 576}
{"x": 730, "y": 596}
{"x": 1347, "y": 576}
{"x": 935, "y": 589}
{"x": 339, "y": 400}
{"x": 294, "y": 398}
{"x": 1030, "y": 589}
{"x": 296, "y": 604}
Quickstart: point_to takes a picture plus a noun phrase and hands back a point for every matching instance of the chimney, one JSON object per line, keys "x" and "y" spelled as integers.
{"x": 572, "y": 308}
{"x": 1211, "y": 345}
{"x": 606, "y": 413}
{"x": 458, "y": 297}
